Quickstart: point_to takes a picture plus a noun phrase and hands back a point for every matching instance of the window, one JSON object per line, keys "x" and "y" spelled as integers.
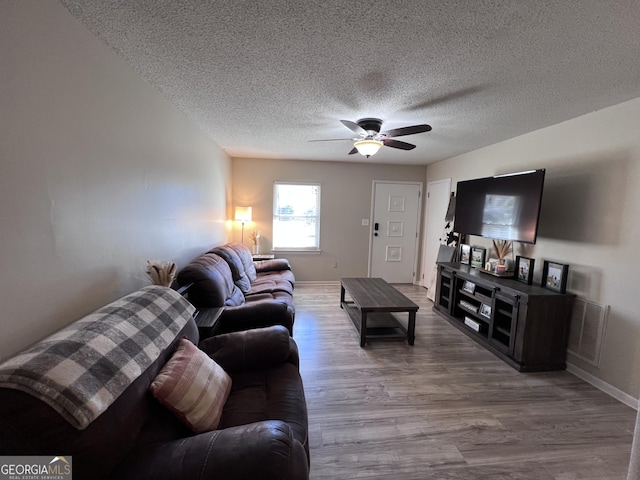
{"x": 296, "y": 216}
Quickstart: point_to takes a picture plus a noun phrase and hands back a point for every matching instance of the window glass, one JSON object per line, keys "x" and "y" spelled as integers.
{"x": 296, "y": 216}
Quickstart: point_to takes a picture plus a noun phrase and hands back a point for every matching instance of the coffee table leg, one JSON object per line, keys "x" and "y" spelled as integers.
{"x": 363, "y": 329}
{"x": 341, "y": 295}
{"x": 411, "y": 331}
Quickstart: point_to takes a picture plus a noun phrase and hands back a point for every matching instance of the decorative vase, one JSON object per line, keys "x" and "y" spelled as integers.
{"x": 256, "y": 249}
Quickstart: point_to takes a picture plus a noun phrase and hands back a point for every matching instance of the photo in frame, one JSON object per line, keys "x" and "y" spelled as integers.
{"x": 469, "y": 287}
{"x": 465, "y": 254}
{"x": 524, "y": 269}
{"x": 554, "y": 276}
{"x": 477, "y": 257}
{"x": 485, "y": 310}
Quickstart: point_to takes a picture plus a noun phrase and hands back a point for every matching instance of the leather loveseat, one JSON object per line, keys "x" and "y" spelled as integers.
{"x": 85, "y": 392}
{"x": 252, "y": 294}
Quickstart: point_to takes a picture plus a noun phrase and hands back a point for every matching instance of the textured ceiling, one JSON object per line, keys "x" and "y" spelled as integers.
{"x": 262, "y": 78}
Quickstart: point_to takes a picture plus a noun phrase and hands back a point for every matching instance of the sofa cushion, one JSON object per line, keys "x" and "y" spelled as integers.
{"x": 258, "y": 348}
{"x": 268, "y": 394}
{"x": 212, "y": 280}
{"x": 271, "y": 284}
{"x": 193, "y": 386}
{"x": 278, "y": 275}
{"x": 247, "y": 259}
{"x": 236, "y": 266}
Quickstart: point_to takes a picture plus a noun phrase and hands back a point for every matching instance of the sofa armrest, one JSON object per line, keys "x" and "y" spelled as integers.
{"x": 251, "y": 349}
{"x": 265, "y": 450}
{"x": 257, "y": 314}
{"x": 274, "y": 264}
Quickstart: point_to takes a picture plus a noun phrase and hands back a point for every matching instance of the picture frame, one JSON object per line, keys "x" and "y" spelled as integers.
{"x": 485, "y": 310}
{"x": 554, "y": 276}
{"x": 477, "y": 257}
{"x": 524, "y": 269}
{"x": 465, "y": 254}
{"x": 469, "y": 287}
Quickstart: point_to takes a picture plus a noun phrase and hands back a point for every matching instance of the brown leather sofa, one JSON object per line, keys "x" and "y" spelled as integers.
{"x": 262, "y": 432}
{"x": 273, "y": 277}
{"x": 253, "y": 294}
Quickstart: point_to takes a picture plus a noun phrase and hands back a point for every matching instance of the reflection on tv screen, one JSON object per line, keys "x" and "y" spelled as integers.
{"x": 501, "y": 216}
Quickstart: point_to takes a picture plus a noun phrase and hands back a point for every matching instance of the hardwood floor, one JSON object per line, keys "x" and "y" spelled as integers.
{"x": 445, "y": 408}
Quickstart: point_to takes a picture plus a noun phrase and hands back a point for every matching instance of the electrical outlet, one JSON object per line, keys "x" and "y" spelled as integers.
{"x": 334, "y": 265}
{"x": 365, "y": 222}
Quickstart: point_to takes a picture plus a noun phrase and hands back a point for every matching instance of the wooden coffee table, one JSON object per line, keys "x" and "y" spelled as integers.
{"x": 372, "y": 301}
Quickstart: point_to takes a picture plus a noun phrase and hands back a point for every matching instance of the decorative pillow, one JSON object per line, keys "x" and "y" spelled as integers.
{"x": 193, "y": 386}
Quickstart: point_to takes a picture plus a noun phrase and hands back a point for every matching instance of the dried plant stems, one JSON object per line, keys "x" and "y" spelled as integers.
{"x": 502, "y": 248}
{"x": 255, "y": 237}
{"x": 161, "y": 272}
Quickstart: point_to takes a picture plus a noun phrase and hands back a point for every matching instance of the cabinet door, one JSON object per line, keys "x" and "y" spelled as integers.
{"x": 504, "y": 312}
{"x": 444, "y": 289}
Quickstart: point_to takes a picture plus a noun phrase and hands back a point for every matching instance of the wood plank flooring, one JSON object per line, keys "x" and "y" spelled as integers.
{"x": 445, "y": 408}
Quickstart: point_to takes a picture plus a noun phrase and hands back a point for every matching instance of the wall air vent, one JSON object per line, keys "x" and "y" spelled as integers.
{"x": 588, "y": 322}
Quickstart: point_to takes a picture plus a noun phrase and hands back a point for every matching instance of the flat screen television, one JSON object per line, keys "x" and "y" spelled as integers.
{"x": 504, "y": 207}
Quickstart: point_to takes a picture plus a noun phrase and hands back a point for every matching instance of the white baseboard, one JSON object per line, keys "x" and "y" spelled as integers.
{"x": 605, "y": 387}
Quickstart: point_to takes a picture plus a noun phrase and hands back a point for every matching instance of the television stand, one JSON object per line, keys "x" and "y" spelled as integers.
{"x": 527, "y": 326}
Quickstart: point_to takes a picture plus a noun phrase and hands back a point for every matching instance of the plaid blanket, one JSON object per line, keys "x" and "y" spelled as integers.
{"x": 83, "y": 368}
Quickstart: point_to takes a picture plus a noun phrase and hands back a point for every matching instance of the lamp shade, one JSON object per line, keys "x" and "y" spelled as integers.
{"x": 368, "y": 147}
{"x": 243, "y": 214}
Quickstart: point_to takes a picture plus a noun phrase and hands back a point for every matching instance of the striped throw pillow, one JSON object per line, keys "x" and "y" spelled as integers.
{"x": 193, "y": 386}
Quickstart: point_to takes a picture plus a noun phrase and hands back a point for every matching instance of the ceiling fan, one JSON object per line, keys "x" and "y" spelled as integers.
{"x": 370, "y": 138}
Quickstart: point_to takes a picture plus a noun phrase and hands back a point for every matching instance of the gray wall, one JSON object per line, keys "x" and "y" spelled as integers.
{"x": 346, "y": 199}
{"x": 590, "y": 219}
{"x": 99, "y": 174}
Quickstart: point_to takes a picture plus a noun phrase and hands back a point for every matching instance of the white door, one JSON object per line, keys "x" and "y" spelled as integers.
{"x": 394, "y": 231}
{"x": 438, "y": 195}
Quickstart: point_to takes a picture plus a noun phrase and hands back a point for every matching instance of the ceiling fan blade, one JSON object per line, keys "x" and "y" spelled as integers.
{"x": 353, "y": 150}
{"x": 354, "y": 127}
{"x": 399, "y": 132}
{"x": 389, "y": 142}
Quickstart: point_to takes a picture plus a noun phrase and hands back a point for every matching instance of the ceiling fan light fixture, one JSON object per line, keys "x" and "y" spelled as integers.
{"x": 368, "y": 147}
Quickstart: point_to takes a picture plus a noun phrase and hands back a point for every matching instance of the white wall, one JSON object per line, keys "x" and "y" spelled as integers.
{"x": 590, "y": 218}
{"x": 98, "y": 174}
